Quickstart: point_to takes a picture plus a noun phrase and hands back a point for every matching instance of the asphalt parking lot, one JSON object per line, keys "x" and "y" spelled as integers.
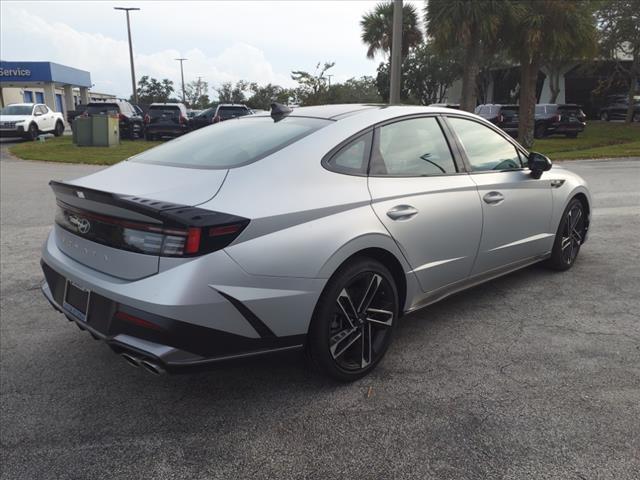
{"x": 534, "y": 375}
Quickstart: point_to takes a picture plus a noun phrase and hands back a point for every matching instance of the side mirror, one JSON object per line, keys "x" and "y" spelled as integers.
{"x": 37, "y": 114}
{"x": 538, "y": 163}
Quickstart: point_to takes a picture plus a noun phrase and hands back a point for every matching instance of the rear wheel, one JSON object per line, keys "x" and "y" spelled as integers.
{"x": 354, "y": 320}
{"x": 572, "y": 135}
{"x": 636, "y": 117}
{"x": 540, "y": 131}
{"x": 569, "y": 237}
{"x": 149, "y": 137}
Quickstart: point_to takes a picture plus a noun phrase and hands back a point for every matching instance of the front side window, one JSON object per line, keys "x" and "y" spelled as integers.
{"x": 232, "y": 143}
{"x": 485, "y": 149}
{"x": 415, "y": 148}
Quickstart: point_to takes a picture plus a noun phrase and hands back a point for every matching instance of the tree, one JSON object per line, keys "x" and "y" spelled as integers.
{"x": 473, "y": 26}
{"x": 263, "y": 96}
{"x": 377, "y": 29}
{"x": 354, "y": 90}
{"x": 228, "y": 93}
{"x": 540, "y": 30}
{"x": 196, "y": 93}
{"x": 429, "y": 74}
{"x": 151, "y": 90}
{"x": 619, "y": 22}
{"x": 312, "y": 87}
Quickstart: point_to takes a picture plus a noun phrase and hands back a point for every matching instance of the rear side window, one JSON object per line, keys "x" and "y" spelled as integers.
{"x": 353, "y": 158}
{"x": 232, "y": 112}
{"x": 232, "y": 143}
{"x": 412, "y": 148}
{"x": 485, "y": 149}
{"x": 166, "y": 110}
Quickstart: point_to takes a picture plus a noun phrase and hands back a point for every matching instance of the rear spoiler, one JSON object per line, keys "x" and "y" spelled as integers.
{"x": 156, "y": 211}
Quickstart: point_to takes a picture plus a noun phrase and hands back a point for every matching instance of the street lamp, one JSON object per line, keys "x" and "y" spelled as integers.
{"x": 182, "y": 75}
{"x": 133, "y": 71}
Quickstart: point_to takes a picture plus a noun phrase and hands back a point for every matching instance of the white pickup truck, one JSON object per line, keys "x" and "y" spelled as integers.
{"x": 29, "y": 120}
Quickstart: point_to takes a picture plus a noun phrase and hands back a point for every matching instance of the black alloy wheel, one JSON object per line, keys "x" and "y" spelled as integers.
{"x": 569, "y": 237}
{"x": 354, "y": 320}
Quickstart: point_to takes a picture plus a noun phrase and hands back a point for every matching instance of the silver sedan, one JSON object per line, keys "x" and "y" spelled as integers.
{"x": 312, "y": 229}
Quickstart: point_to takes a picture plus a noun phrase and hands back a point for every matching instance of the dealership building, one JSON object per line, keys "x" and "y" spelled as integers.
{"x": 60, "y": 87}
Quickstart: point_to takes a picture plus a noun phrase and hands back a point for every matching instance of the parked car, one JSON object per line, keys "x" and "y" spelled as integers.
{"x": 617, "y": 106}
{"x": 165, "y": 120}
{"x": 72, "y": 114}
{"x": 226, "y": 244}
{"x": 192, "y": 113}
{"x": 563, "y": 119}
{"x": 455, "y": 106}
{"x": 504, "y": 116}
{"x": 217, "y": 114}
{"x": 130, "y": 122}
{"x": 28, "y": 120}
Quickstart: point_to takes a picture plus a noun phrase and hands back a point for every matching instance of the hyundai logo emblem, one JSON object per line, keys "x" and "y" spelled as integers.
{"x": 82, "y": 224}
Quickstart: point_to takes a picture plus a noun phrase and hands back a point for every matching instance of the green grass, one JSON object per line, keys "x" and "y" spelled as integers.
{"x": 599, "y": 140}
{"x": 62, "y": 149}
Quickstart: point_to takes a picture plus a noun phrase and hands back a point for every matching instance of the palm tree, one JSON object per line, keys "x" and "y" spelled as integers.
{"x": 539, "y": 32}
{"x": 377, "y": 29}
{"x": 472, "y": 25}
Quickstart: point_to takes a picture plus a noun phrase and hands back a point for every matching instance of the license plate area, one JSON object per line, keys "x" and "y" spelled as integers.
{"x": 76, "y": 300}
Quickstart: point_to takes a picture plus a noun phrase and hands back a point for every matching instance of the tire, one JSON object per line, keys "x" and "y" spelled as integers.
{"x": 149, "y": 137}
{"x": 59, "y": 130}
{"x": 540, "y": 131}
{"x": 604, "y": 116}
{"x": 571, "y": 135}
{"x": 636, "y": 117}
{"x": 351, "y": 328}
{"x": 32, "y": 132}
{"x": 568, "y": 240}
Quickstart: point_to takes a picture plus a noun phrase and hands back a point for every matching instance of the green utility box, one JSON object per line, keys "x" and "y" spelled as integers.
{"x": 96, "y": 131}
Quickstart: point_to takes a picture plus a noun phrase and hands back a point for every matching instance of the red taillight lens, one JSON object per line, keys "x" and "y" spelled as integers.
{"x": 147, "y": 119}
{"x": 85, "y": 114}
{"x": 216, "y": 119}
{"x": 137, "y": 321}
{"x": 556, "y": 118}
{"x": 182, "y": 120}
{"x": 501, "y": 118}
{"x": 121, "y": 117}
{"x": 192, "y": 245}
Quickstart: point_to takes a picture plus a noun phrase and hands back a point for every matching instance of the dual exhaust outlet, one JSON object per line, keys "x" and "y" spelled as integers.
{"x": 148, "y": 365}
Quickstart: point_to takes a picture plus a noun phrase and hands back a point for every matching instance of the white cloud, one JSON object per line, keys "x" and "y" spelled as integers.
{"x": 108, "y": 59}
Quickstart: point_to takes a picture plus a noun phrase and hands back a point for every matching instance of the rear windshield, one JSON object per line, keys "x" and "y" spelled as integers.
{"x": 231, "y": 112}
{"x": 159, "y": 110}
{"x": 232, "y": 143}
{"x": 568, "y": 108}
{"x": 17, "y": 110}
{"x": 103, "y": 109}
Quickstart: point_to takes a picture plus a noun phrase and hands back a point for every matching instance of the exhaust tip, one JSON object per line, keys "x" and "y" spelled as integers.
{"x": 131, "y": 360}
{"x": 152, "y": 367}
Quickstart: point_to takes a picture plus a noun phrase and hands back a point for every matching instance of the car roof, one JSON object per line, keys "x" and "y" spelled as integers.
{"x": 23, "y": 104}
{"x": 232, "y": 105}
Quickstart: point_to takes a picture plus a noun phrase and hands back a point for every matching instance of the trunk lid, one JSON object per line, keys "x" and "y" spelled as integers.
{"x": 117, "y": 220}
{"x": 164, "y": 115}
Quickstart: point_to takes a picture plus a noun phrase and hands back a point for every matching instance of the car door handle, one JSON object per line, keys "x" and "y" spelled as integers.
{"x": 493, "y": 198}
{"x": 401, "y": 212}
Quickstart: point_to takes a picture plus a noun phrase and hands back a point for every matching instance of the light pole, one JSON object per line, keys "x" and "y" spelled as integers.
{"x": 182, "y": 76}
{"x": 396, "y": 53}
{"x": 133, "y": 71}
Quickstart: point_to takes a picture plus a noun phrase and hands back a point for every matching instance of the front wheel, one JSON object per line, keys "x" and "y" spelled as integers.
{"x": 569, "y": 237}
{"x": 354, "y": 319}
{"x": 32, "y": 132}
{"x": 59, "y": 130}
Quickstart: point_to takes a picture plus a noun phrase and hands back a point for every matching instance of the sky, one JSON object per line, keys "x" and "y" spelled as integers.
{"x": 259, "y": 41}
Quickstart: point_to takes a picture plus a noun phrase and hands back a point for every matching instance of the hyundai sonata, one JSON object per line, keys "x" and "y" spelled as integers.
{"x": 313, "y": 229}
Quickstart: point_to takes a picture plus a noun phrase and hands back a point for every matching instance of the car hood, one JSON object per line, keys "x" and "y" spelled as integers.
{"x": 184, "y": 186}
{"x": 14, "y": 118}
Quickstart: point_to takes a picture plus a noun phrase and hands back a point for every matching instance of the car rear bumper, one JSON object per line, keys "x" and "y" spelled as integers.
{"x": 571, "y": 127}
{"x": 201, "y": 325}
{"x": 166, "y": 131}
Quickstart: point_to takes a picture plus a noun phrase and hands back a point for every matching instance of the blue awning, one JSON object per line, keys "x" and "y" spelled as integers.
{"x": 42, "y": 72}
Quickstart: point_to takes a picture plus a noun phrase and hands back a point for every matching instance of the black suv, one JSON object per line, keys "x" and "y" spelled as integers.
{"x": 130, "y": 121}
{"x": 165, "y": 120}
{"x": 222, "y": 112}
{"x": 617, "y": 106}
{"x": 504, "y": 116}
{"x": 563, "y": 119}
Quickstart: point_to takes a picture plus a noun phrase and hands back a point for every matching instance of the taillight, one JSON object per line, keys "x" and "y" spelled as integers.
{"x": 500, "y": 118}
{"x": 216, "y": 119}
{"x": 121, "y": 117}
{"x": 147, "y": 119}
{"x": 556, "y": 118}
{"x": 182, "y": 120}
{"x": 137, "y": 321}
{"x": 85, "y": 114}
{"x": 152, "y": 239}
